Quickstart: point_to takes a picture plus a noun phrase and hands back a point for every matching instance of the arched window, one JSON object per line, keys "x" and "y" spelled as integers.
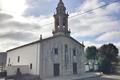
{"x": 9, "y": 60}
{"x": 18, "y": 59}
{"x": 74, "y": 52}
{"x": 66, "y": 48}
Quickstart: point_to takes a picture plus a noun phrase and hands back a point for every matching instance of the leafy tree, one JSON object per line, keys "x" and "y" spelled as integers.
{"x": 91, "y": 54}
{"x": 107, "y": 55}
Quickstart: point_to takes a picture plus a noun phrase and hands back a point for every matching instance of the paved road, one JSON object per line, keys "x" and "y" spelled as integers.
{"x": 100, "y": 79}
{"x": 111, "y": 77}
{"x": 105, "y": 77}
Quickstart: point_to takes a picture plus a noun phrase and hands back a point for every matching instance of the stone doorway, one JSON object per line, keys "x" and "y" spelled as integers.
{"x": 74, "y": 68}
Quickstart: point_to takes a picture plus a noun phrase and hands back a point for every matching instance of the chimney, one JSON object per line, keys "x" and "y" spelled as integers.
{"x": 82, "y": 42}
{"x": 40, "y": 37}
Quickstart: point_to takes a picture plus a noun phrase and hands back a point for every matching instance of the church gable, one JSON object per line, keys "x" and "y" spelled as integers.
{"x": 67, "y": 38}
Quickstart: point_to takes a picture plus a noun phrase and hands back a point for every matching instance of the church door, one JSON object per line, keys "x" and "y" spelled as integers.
{"x": 56, "y": 70}
{"x": 74, "y": 68}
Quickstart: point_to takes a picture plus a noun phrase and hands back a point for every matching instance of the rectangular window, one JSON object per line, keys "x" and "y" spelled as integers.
{"x": 18, "y": 59}
{"x": 74, "y": 52}
{"x": 31, "y": 66}
{"x": 56, "y": 51}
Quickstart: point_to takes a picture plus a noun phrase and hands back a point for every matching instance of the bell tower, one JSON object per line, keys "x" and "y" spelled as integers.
{"x": 61, "y": 20}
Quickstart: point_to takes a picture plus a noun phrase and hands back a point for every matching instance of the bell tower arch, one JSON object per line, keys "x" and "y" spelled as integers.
{"x": 61, "y": 20}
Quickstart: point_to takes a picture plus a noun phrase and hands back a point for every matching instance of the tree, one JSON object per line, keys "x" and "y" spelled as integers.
{"x": 91, "y": 54}
{"x": 107, "y": 55}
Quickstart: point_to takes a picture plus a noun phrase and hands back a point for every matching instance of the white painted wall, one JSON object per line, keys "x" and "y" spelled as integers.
{"x": 28, "y": 54}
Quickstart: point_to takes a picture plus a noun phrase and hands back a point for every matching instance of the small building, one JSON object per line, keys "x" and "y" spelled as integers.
{"x": 3, "y": 57}
{"x": 58, "y": 55}
{"x": 91, "y": 66}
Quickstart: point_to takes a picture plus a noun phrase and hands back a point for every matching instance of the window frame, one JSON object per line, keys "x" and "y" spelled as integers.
{"x": 56, "y": 51}
{"x": 74, "y": 52}
{"x": 31, "y": 66}
{"x": 18, "y": 59}
{"x": 66, "y": 48}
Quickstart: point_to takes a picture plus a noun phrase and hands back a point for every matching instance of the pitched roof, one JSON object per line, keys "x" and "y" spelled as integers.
{"x": 45, "y": 40}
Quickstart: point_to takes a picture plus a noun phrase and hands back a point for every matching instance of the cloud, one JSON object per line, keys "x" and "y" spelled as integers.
{"x": 89, "y": 43}
{"x": 22, "y": 29}
{"x": 21, "y": 26}
{"x": 39, "y": 7}
{"x": 4, "y": 16}
{"x": 10, "y": 29}
{"x": 114, "y": 7}
{"x": 14, "y": 7}
{"x": 110, "y": 37}
{"x": 9, "y": 44}
{"x": 96, "y": 22}
{"x": 18, "y": 36}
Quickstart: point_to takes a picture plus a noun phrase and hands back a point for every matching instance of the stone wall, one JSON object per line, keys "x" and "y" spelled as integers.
{"x": 64, "y": 58}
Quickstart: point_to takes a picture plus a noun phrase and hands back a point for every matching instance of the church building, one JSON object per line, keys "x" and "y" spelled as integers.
{"x": 58, "y": 55}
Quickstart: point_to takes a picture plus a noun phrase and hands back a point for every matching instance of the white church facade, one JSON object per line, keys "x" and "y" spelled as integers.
{"x": 58, "y": 55}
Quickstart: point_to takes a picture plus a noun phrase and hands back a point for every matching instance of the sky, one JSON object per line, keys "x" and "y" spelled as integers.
{"x": 23, "y": 21}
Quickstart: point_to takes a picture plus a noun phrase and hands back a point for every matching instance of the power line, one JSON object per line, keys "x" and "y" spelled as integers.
{"x": 86, "y": 11}
{"x": 94, "y": 9}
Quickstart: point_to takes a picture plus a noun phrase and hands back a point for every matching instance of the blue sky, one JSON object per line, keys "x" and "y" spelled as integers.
{"x": 22, "y": 21}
